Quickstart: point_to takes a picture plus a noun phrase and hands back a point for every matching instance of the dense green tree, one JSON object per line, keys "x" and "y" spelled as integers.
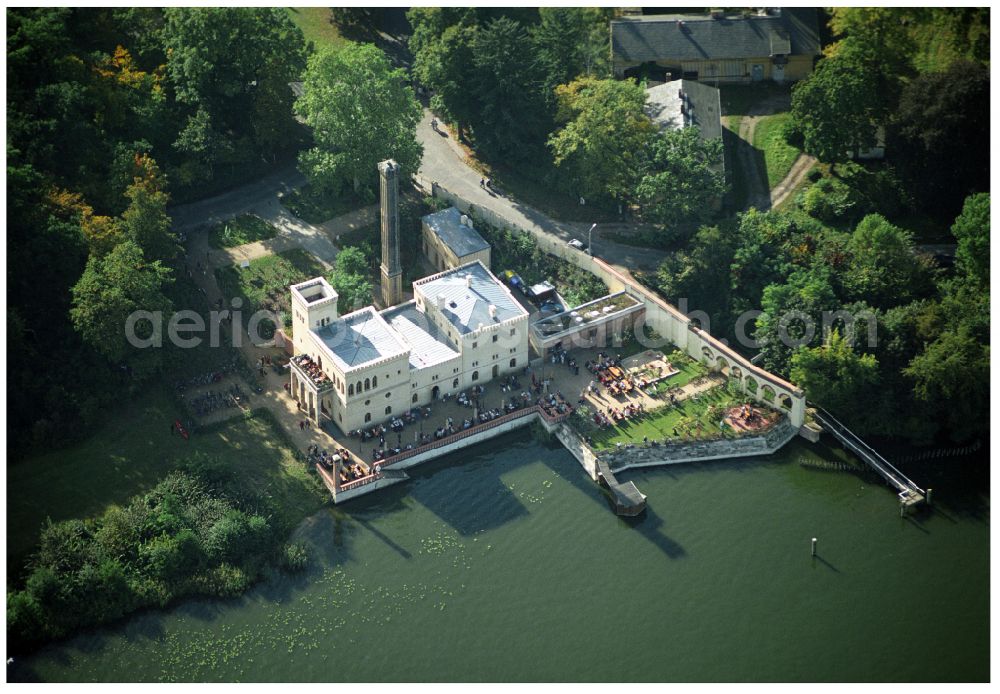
{"x": 838, "y": 107}
{"x": 350, "y": 277}
{"x": 145, "y": 220}
{"x": 361, "y": 112}
{"x": 836, "y": 376}
{"x": 683, "y": 181}
{"x": 938, "y": 137}
{"x": 700, "y": 273}
{"x": 604, "y": 134}
{"x": 231, "y": 66}
{"x": 570, "y": 42}
{"x": 446, "y": 65}
{"x": 761, "y": 257}
{"x": 972, "y": 229}
{"x": 953, "y": 372}
{"x": 512, "y": 121}
{"x": 792, "y": 316}
{"x": 885, "y": 269}
{"x": 884, "y": 32}
{"x": 111, "y": 289}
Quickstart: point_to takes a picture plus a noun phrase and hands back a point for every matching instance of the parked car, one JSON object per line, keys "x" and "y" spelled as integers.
{"x": 578, "y": 244}
{"x": 542, "y": 291}
{"x": 551, "y": 306}
{"x": 517, "y": 283}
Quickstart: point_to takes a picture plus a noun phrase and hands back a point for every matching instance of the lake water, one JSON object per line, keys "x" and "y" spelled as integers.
{"x": 506, "y": 563}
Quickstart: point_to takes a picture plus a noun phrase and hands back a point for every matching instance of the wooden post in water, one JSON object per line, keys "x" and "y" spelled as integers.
{"x": 814, "y": 547}
{"x": 930, "y": 492}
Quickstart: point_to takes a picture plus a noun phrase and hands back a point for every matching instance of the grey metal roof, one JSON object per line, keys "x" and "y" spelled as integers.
{"x": 428, "y": 345}
{"x": 461, "y": 239}
{"x": 359, "y": 338}
{"x": 700, "y": 37}
{"x": 466, "y": 303}
{"x": 663, "y": 106}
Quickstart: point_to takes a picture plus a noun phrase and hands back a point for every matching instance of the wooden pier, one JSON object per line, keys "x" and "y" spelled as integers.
{"x": 909, "y": 493}
{"x": 629, "y": 501}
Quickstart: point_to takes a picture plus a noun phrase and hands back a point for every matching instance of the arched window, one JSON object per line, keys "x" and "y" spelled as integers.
{"x": 368, "y": 416}
{"x": 350, "y": 389}
{"x": 414, "y": 398}
{"x": 513, "y": 363}
{"x": 368, "y": 383}
{"x": 454, "y": 384}
{"x": 475, "y": 375}
{"x": 357, "y": 388}
{"x": 388, "y": 409}
{"x": 374, "y": 381}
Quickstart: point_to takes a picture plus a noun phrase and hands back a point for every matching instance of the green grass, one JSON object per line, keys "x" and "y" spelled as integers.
{"x": 234, "y": 232}
{"x": 660, "y": 423}
{"x": 267, "y": 279}
{"x": 311, "y": 206}
{"x": 133, "y": 451}
{"x": 316, "y": 26}
{"x": 778, "y": 154}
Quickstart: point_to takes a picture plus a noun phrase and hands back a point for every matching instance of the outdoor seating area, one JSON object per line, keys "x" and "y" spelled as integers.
{"x": 312, "y": 370}
{"x": 618, "y": 414}
{"x": 747, "y": 418}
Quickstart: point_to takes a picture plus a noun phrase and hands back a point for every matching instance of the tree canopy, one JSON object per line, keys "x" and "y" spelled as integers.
{"x": 683, "y": 181}
{"x": 604, "y": 134}
{"x": 361, "y": 112}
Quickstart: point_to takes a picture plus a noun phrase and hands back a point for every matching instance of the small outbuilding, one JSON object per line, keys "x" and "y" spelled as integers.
{"x": 450, "y": 240}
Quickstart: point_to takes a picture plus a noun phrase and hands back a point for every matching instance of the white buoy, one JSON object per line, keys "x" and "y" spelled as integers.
{"x": 814, "y": 547}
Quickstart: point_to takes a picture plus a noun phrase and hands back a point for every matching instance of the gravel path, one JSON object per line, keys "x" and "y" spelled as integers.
{"x": 795, "y": 176}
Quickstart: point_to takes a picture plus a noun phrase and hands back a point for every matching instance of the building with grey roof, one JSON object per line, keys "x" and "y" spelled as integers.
{"x": 450, "y": 240}
{"x": 686, "y": 104}
{"x": 778, "y": 43}
{"x": 462, "y": 328}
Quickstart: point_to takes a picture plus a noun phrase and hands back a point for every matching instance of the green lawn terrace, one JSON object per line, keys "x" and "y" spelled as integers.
{"x": 241, "y": 230}
{"x": 264, "y": 283}
{"x": 712, "y": 414}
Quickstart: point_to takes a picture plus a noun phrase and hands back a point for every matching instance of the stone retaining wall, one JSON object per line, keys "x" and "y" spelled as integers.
{"x": 672, "y": 453}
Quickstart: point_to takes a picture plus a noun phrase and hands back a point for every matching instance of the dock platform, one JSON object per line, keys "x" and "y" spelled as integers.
{"x": 629, "y": 501}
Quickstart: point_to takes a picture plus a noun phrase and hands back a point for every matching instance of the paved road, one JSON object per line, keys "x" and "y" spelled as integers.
{"x": 237, "y": 201}
{"x": 444, "y": 163}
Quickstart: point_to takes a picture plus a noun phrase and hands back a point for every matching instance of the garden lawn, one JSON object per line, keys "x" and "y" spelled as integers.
{"x": 267, "y": 279}
{"x": 660, "y": 423}
{"x": 309, "y": 205}
{"x": 316, "y": 26}
{"x": 778, "y": 154}
{"x": 234, "y": 232}
{"x": 133, "y": 451}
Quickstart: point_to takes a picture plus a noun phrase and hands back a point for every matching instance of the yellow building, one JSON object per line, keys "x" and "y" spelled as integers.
{"x": 450, "y": 240}
{"x": 775, "y": 44}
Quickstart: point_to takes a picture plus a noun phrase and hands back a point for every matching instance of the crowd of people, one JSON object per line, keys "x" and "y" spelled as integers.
{"x": 619, "y": 414}
{"x": 312, "y": 369}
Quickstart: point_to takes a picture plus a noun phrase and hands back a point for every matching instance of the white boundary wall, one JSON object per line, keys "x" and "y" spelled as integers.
{"x": 660, "y": 316}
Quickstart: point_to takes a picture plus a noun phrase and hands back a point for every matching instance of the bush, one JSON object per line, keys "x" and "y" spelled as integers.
{"x": 188, "y": 535}
{"x": 295, "y": 557}
{"x": 833, "y": 202}
{"x": 792, "y": 134}
{"x": 814, "y": 175}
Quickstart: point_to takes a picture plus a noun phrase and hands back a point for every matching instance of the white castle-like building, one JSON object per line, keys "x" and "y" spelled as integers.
{"x": 462, "y": 328}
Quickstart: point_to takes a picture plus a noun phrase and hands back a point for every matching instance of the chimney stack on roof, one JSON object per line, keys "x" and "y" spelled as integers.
{"x": 468, "y": 281}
